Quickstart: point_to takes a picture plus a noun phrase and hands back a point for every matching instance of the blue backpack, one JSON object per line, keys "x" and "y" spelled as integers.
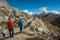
{"x": 20, "y": 23}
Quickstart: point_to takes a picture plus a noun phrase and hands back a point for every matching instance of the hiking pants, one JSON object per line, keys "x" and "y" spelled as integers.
{"x": 20, "y": 29}
{"x": 11, "y": 32}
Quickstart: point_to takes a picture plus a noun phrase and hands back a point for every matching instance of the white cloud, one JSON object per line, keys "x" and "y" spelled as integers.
{"x": 54, "y": 11}
{"x": 43, "y": 9}
{"x": 30, "y": 13}
{"x": 27, "y": 11}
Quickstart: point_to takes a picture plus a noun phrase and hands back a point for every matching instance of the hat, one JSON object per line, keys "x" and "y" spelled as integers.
{"x": 9, "y": 18}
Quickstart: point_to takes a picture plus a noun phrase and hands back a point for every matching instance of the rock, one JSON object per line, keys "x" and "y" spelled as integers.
{"x": 26, "y": 29}
{"x": 1, "y": 19}
{"x": 6, "y": 18}
{"x": 49, "y": 38}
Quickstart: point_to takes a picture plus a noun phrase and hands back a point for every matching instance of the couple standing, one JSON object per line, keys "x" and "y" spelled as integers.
{"x": 10, "y": 26}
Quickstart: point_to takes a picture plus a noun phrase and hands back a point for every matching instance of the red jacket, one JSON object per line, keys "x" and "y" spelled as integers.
{"x": 10, "y": 24}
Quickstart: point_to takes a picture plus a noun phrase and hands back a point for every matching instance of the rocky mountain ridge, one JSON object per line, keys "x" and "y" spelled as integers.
{"x": 49, "y": 17}
{"x": 32, "y": 25}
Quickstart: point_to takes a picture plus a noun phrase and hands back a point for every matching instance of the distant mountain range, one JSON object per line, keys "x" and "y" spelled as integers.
{"x": 49, "y": 17}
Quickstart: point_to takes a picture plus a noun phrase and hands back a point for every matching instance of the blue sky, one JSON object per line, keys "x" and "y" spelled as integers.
{"x": 35, "y": 5}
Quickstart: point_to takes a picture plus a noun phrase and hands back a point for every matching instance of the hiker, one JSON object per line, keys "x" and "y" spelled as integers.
{"x": 20, "y": 24}
{"x": 10, "y": 27}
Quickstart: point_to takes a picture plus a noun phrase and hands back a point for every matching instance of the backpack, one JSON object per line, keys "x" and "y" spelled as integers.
{"x": 20, "y": 23}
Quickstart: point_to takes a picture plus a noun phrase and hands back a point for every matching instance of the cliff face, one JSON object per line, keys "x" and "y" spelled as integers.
{"x": 3, "y": 4}
{"x": 4, "y": 8}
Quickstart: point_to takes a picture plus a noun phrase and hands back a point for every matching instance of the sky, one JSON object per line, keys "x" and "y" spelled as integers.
{"x": 36, "y": 6}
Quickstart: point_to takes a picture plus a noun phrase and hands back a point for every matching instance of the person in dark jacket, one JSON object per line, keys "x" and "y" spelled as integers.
{"x": 20, "y": 24}
{"x": 10, "y": 27}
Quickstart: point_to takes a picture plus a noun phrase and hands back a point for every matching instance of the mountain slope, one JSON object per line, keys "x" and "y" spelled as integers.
{"x": 56, "y": 22}
{"x": 49, "y": 17}
{"x": 32, "y": 25}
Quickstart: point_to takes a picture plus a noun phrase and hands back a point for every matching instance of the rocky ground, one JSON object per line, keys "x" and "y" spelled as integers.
{"x": 27, "y": 35}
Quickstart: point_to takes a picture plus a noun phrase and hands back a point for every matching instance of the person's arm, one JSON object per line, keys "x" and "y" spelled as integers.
{"x": 18, "y": 23}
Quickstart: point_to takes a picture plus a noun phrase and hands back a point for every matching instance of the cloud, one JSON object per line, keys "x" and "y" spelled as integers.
{"x": 43, "y": 9}
{"x": 54, "y": 11}
{"x": 27, "y": 11}
{"x": 30, "y": 13}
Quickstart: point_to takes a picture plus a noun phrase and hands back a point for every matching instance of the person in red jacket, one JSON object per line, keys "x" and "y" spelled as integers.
{"x": 10, "y": 27}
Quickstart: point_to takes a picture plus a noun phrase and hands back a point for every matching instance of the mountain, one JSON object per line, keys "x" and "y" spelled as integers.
{"x": 56, "y": 22}
{"x": 49, "y": 17}
{"x": 34, "y": 28}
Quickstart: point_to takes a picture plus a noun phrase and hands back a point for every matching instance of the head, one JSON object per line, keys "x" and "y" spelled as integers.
{"x": 9, "y": 19}
{"x": 20, "y": 19}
